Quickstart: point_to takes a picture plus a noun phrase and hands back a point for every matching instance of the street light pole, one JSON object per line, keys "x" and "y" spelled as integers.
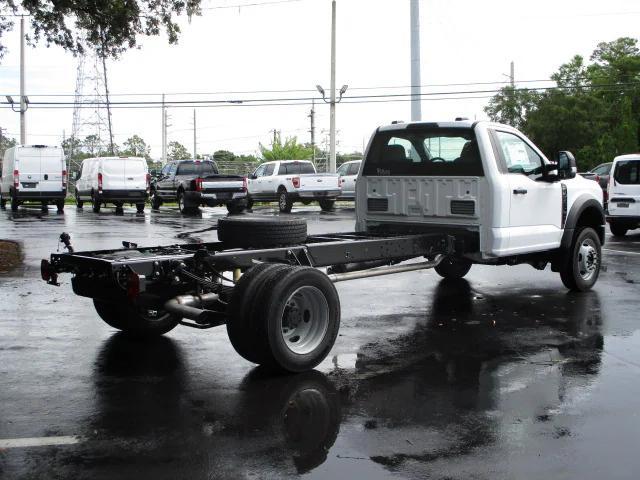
{"x": 23, "y": 105}
{"x": 332, "y": 103}
{"x": 416, "y": 107}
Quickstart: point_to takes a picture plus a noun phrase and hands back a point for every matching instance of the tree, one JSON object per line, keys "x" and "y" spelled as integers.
{"x": 289, "y": 150}
{"x": 108, "y": 27}
{"x": 177, "y": 151}
{"x": 5, "y": 142}
{"x": 135, "y": 146}
{"x": 594, "y": 112}
{"x": 511, "y": 106}
{"x": 224, "y": 156}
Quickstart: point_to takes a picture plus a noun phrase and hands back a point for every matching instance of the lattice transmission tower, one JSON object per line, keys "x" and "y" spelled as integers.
{"x": 91, "y": 130}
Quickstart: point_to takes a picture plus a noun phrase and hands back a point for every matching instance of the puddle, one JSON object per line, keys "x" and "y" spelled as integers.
{"x": 10, "y": 255}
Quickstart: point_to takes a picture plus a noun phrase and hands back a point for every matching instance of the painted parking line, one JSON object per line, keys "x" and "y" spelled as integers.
{"x": 621, "y": 251}
{"x": 38, "y": 442}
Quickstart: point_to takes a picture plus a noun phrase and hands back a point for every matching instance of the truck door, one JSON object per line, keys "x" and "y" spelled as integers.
{"x": 535, "y": 214}
{"x": 29, "y": 168}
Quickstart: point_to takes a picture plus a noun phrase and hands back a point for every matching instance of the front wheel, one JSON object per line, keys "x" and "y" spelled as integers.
{"x": 79, "y": 203}
{"x": 135, "y": 320}
{"x": 60, "y": 205}
{"x": 618, "y": 230}
{"x": 326, "y": 205}
{"x": 580, "y": 269}
{"x": 453, "y": 267}
{"x": 140, "y": 207}
{"x": 3, "y": 202}
{"x": 284, "y": 202}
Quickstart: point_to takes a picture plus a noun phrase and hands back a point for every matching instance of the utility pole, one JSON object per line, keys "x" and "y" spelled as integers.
{"x": 164, "y": 132}
{"x": 312, "y": 116}
{"x": 332, "y": 104}
{"x": 106, "y": 92}
{"x": 416, "y": 106}
{"x": 195, "y": 156}
{"x": 23, "y": 104}
{"x": 512, "y": 75}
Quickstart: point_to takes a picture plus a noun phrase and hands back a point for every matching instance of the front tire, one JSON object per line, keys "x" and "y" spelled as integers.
{"x": 95, "y": 204}
{"x": 140, "y": 207}
{"x": 3, "y": 202}
{"x": 60, "y": 205}
{"x": 453, "y": 267}
{"x": 134, "y": 320}
{"x": 581, "y": 267}
{"x": 285, "y": 204}
{"x": 79, "y": 203}
{"x": 618, "y": 229}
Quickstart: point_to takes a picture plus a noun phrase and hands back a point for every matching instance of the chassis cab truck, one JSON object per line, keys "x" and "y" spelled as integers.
{"x": 490, "y": 187}
{"x": 428, "y": 195}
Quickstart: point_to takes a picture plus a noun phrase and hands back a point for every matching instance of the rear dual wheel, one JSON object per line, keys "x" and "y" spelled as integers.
{"x": 286, "y": 318}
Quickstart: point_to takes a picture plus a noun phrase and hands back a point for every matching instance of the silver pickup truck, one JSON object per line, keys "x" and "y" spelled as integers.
{"x": 289, "y": 181}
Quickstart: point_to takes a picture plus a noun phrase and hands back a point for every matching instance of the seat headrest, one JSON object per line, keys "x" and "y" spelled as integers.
{"x": 469, "y": 153}
{"x": 395, "y": 153}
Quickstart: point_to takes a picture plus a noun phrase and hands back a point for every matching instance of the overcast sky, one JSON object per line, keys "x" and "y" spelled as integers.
{"x": 281, "y": 46}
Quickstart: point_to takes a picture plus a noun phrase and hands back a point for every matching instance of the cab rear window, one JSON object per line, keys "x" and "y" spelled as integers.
{"x": 627, "y": 172}
{"x": 296, "y": 168}
{"x": 197, "y": 168}
{"x": 438, "y": 152}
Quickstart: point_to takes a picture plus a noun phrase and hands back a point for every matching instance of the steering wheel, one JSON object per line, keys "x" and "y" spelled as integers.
{"x": 438, "y": 159}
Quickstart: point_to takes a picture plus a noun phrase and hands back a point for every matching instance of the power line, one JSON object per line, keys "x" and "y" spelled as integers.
{"x": 294, "y": 90}
{"x": 306, "y": 100}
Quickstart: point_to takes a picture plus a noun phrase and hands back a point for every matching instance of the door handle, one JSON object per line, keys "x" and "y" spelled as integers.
{"x": 520, "y": 191}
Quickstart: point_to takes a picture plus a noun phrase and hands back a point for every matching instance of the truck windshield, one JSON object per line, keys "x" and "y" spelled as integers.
{"x": 628, "y": 172}
{"x": 202, "y": 169}
{"x": 433, "y": 151}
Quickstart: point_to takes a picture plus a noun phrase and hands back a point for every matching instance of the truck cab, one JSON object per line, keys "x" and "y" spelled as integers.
{"x": 485, "y": 182}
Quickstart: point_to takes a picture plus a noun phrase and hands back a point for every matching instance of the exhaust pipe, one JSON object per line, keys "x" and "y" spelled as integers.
{"x": 376, "y": 272}
{"x": 193, "y": 307}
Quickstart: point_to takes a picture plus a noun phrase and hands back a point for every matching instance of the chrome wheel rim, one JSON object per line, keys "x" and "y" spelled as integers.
{"x": 588, "y": 259}
{"x": 283, "y": 201}
{"x": 181, "y": 202}
{"x": 305, "y": 320}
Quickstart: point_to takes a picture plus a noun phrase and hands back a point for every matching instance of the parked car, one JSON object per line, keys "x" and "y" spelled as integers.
{"x": 194, "y": 183}
{"x": 289, "y": 181}
{"x": 115, "y": 180}
{"x": 348, "y": 173}
{"x": 33, "y": 174}
{"x": 624, "y": 195}
{"x": 601, "y": 175}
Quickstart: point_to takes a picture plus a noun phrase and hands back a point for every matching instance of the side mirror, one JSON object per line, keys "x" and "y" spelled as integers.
{"x": 253, "y": 176}
{"x": 567, "y": 167}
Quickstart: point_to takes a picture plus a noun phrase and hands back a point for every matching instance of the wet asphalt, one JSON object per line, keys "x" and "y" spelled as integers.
{"x": 502, "y": 375}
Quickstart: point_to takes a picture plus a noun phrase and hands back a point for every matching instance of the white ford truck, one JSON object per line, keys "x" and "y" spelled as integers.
{"x": 428, "y": 195}
{"x": 491, "y": 187}
{"x": 289, "y": 181}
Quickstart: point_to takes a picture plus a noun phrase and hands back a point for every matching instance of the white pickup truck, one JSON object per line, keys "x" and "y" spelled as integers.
{"x": 492, "y": 188}
{"x": 289, "y": 181}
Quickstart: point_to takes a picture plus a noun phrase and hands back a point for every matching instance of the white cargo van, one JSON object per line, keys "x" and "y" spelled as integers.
{"x": 115, "y": 180}
{"x": 623, "y": 212}
{"x": 33, "y": 173}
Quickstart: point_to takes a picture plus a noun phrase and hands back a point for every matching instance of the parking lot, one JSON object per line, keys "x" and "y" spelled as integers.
{"x": 502, "y": 375}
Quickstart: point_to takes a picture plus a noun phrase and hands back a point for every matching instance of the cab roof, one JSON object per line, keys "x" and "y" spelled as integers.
{"x": 418, "y": 125}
